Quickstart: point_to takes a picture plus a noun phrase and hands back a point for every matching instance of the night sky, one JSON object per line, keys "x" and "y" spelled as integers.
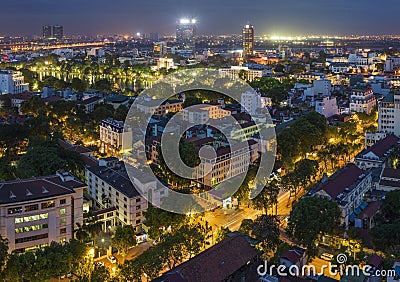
{"x": 277, "y": 17}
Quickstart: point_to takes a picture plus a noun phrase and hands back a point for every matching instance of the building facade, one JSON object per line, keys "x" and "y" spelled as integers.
{"x": 12, "y": 82}
{"x": 236, "y": 72}
{"x": 327, "y": 106}
{"x": 186, "y": 34}
{"x": 109, "y": 186}
{"x": 226, "y": 163}
{"x": 112, "y": 132}
{"x": 347, "y": 187}
{"x": 248, "y": 40}
{"x": 37, "y": 211}
{"x": 200, "y": 114}
{"x": 389, "y": 114}
{"x": 362, "y": 100}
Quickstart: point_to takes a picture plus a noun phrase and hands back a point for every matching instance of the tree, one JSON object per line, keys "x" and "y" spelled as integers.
{"x": 310, "y": 218}
{"x": 3, "y": 254}
{"x": 34, "y": 105}
{"x": 266, "y": 230}
{"x": 159, "y": 220}
{"x": 246, "y": 226}
{"x": 81, "y": 233}
{"x": 121, "y": 112}
{"x": 267, "y": 198}
{"x": 221, "y": 233}
{"x": 45, "y": 158}
{"x": 78, "y": 85}
{"x": 124, "y": 238}
{"x": 103, "y": 84}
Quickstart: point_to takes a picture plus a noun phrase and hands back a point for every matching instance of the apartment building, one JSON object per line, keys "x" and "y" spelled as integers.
{"x": 200, "y": 114}
{"x": 37, "y": 211}
{"x": 226, "y": 163}
{"x": 362, "y": 100}
{"x": 112, "y": 132}
{"x": 327, "y": 106}
{"x": 109, "y": 185}
{"x": 159, "y": 107}
{"x": 12, "y": 82}
{"x": 389, "y": 114}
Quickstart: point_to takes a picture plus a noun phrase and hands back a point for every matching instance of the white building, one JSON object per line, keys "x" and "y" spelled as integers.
{"x": 372, "y": 137}
{"x": 327, "y": 106}
{"x": 12, "y": 82}
{"x": 378, "y": 154}
{"x": 37, "y": 211}
{"x": 200, "y": 114}
{"x": 225, "y": 163}
{"x": 389, "y": 114}
{"x": 250, "y": 102}
{"x": 362, "y": 100}
{"x": 110, "y": 188}
{"x": 322, "y": 87}
{"x": 346, "y": 187}
{"x": 392, "y": 62}
{"x": 112, "y": 132}
{"x": 234, "y": 72}
{"x": 166, "y": 63}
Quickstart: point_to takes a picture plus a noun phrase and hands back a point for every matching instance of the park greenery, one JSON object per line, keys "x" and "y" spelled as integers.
{"x": 51, "y": 262}
{"x": 310, "y": 219}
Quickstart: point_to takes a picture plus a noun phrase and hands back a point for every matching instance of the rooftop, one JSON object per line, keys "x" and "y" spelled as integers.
{"x": 340, "y": 181}
{"x": 21, "y": 190}
{"x": 214, "y": 264}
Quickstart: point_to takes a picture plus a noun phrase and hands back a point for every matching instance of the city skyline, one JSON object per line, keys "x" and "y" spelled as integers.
{"x": 23, "y": 17}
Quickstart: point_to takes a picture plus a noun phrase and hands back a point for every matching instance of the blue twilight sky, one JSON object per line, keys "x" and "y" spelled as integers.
{"x": 277, "y": 17}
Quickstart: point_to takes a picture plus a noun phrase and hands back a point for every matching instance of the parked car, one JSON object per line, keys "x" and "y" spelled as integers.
{"x": 112, "y": 259}
{"x": 326, "y": 256}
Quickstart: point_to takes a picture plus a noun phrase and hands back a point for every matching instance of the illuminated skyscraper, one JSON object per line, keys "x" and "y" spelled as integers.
{"x": 248, "y": 40}
{"x": 46, "y": 32}
{"x": 58, "y": 32}
{"x": 185, "y": 34}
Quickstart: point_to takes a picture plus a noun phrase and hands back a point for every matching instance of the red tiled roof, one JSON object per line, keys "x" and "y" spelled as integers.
{"x": 391, "y": 173}
{"x": 216, "y": 263}
{"x": 51, "y": 99}
{"x": 375, "y": 261}
{"x": 89, "y": 100}
{"x": 345, "y": 178}
{"x": 389, "y": 183}
{"x": 382, "y": 146}
{"x": 291, "y": 256}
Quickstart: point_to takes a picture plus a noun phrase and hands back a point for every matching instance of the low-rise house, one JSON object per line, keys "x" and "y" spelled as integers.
{"x": 37, "y": 211}
{"x": 295, "y": 256}
{"x": 372, "y": 137}
{"x": 378, "y": 154}
{"x": 346, "y": 187}
{"x": 90, "y": 103}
